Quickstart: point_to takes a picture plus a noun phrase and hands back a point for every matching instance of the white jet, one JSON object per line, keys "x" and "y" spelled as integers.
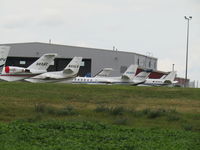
{"x": 13, "y": 73}
{"x": 105, "y": 72}
{"x": 128, "y": 78}
{"x": 69, "y": 72}
{"x": 4, "y": 50}
{"x": 163, "y": 81}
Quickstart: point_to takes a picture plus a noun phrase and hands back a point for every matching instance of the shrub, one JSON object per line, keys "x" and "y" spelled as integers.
{"x": 68, "y": 110}
{"x": 171, "y": 117}
{"x": 153, "y": 114}
{"x": 146, "y": 111}
{"x": 112, "y": 110}
{"x": 40, "y": 108}
{"x": 187, "y": 127}
{"x": 36, "y": 118}
{"x": 117, "y": 111}
{"x": 43, "y": 108}
{"x": 160, "y": 112}
{"x": 50, "y": 110}
{"x": 121, "y": 121}
{"x": 172, "y": 111}
{"x": 101, "y": 108}
{"x": 156, "y": 113}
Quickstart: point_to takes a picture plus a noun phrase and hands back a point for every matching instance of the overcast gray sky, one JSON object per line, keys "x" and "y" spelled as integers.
{"x": 143, "y": 26}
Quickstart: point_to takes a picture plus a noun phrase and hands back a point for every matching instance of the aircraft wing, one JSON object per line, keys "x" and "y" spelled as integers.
{"x": 124, "y": 77}
{"x": 105, "y": 72}
{"x": 48, "y": 76}
{"x": 138, "y": 83}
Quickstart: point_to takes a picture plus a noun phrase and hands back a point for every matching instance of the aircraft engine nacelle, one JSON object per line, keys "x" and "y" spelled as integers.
{"x": 168, "y": 82}
{"x": 10, "y": 69}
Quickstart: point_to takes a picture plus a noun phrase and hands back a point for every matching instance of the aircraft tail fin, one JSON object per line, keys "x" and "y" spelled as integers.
{"x": 73, "y": 66}
{"x": 105, "y": 72}
{"x": 43, "y": 62}
{"x": 4, "y": 50}
{"x": 130, "y": 72}
{"x": 171, "y": 76}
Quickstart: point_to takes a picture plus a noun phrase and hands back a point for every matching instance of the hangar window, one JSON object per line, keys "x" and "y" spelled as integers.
{"x": 22, "y": 62}
{"x": 150, "y": 64}
{"x": 82, "y": 64}
{"x": 138, "y": 61}
{"x": 123, "y": 69}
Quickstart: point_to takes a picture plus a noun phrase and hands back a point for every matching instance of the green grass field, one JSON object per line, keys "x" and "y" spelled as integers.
{"x": 138, "y": 117}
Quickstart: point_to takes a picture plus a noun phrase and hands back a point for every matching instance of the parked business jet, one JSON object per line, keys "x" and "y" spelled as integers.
{"x": 163, "y": 81}
{"x": 128, "y": 78}
{"x": 13, "y": 73}
{"x": 4, "y": 50}
{"x": 70, "y": 71}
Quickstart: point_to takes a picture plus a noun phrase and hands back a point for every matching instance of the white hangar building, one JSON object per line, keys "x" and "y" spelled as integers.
{"x": 23, "y": 54}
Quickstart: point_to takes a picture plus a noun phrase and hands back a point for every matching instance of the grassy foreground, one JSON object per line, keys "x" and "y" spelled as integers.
{"x": 63, "y": 116}
{"x": 61, "y": 135}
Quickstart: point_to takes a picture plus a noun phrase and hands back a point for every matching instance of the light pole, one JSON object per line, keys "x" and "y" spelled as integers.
{"x": 186, "y": 67}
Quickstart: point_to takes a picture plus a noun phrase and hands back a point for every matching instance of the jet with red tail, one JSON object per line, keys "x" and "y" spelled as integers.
{"x": 13, "y": 73}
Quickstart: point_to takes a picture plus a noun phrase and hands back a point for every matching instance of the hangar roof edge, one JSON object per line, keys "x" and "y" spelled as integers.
{"x": 79, "y": 47}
